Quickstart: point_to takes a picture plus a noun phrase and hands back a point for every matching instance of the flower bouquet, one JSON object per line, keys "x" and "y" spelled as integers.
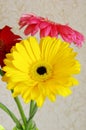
{"x": 37, "y": 69}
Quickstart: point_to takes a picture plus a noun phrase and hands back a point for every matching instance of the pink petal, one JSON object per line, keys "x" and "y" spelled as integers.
{"x": 67, "y": 38}
{"x": 43, "y": 24}
{"x": 22, "y": 25}
{"x": 28, "y": 30}
{"x": 54, "y": 31}
{"x": 66, "y": 32}
{"x": 65, "y": 29}
{"x": 35, "y": 30}
{"x": 29, "y": 19}
{"x": 31, "y": 29}
{"x": 79, "y": 38}
{"x": 34, "y": 20}
{"x": 45, "y": 32}
{"x": 23, "y": 20}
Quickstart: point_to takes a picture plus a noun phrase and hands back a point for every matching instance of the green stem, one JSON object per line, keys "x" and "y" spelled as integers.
{"x": 20, "y": 108}
{"x": 33, "y": 109}
{"x": 4, "y": 108}
{"x": 32, "y": 112}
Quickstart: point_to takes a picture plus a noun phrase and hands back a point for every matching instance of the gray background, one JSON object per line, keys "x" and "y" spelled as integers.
{"x": 66, "y": 113}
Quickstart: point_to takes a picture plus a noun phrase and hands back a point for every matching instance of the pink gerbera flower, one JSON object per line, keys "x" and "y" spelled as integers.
{"x": 34, "y": 24}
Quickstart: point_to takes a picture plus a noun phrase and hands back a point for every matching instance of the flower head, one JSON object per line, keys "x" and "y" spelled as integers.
{"x": 7, "y": 40}
{"x": 49, "y": 28}
{"x": 39, "y": 71}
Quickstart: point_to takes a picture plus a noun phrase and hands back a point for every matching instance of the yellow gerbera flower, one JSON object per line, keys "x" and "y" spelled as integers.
{"x": 36, "y": 71}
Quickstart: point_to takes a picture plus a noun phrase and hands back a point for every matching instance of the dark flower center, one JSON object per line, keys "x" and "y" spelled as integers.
{"x": 41, "y": 70}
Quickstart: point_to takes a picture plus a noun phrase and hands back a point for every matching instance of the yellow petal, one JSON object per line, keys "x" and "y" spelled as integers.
{"x": 22, "y": 51}
{"x": 52, "y": 97}
{"x": 34, "y": 47}
{"x": 40, "y": 100}
{"x": 19, "y": 62}
{"x": 49, "y": 47}
{"x": 64, "y": 91}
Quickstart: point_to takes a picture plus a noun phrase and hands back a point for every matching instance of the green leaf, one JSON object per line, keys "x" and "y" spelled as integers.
{"x": 1, "y": 72}
{"x": 13, "y": 117}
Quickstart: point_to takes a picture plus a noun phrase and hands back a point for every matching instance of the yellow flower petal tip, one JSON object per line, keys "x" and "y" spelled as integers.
{"x": 37, "y": 70}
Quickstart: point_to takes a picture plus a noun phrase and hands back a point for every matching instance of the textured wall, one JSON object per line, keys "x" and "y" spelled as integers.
{"x": 64, "y": 114}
